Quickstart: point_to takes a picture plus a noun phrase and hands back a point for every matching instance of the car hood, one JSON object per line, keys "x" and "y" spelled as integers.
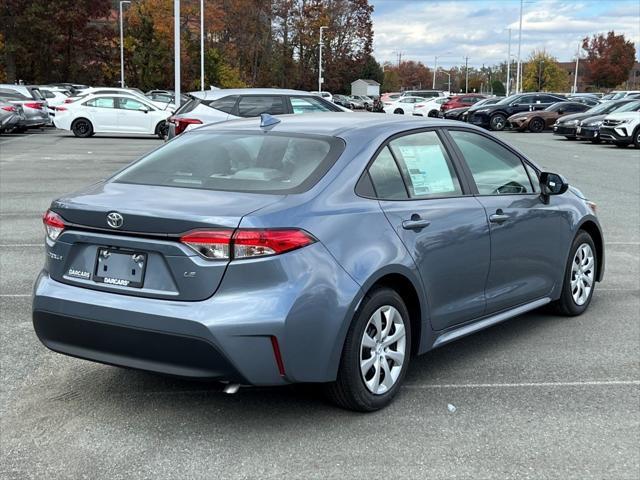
{"x": 623, "y": 116}
{"x": 576, "y": 116}
{"x": 591, "y": 119}
{"x": 537, "y": 113}
{"x": 458, "y": 110}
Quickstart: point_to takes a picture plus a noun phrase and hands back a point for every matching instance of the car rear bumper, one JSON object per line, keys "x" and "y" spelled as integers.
{"x": 226, "y": 337}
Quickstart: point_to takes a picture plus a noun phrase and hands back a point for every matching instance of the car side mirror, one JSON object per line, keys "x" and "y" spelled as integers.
{"x": 515, "y": 104}
{"x": 552, "y": 184}
{"x": 561, "y": 112}
{"x": 144, "y": 109}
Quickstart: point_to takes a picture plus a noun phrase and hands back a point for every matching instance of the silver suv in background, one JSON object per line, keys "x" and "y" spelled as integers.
{"x": 212, "y": 106}
{"x": 34, "y": 105}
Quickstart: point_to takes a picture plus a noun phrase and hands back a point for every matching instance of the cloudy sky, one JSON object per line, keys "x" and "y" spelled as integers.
{"x": 453, "y": 29}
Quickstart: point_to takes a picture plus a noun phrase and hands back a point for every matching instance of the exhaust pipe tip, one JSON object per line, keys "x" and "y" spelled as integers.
{"x": 231, "y": 388}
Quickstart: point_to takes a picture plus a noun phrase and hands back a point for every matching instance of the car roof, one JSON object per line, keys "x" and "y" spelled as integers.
{"x": 336, "y": 124}
{"x": 214, "y": 94}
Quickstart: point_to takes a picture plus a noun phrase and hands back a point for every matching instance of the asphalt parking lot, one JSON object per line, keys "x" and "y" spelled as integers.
{"x": 537, "y": 397}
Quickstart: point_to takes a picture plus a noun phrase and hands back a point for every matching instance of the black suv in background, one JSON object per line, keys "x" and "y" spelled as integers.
{"x": 495, "y": 116}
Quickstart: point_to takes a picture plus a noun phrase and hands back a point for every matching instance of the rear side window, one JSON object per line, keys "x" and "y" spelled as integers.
{"x": 254, "y": 105}
{"x": 237, "y": 161}
{"x": 495, "y": 170}
{"x": 309, "y": 105}
{"x": 426, "y": 166}
{"x": 225, "y": 104}
{"x": 105, "y": 102}
{"x": 386, "y": 178}
{"x": 188, "y": 106}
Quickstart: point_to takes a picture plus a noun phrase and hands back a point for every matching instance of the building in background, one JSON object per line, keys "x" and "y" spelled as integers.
{"x": 632, "y": 83}
{"x": 370, "y": 88}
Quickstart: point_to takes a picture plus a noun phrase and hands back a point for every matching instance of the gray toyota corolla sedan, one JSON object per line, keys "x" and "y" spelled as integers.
{"x": 324, "y": 248}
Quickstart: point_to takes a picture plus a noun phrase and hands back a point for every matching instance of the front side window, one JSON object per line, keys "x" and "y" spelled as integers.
{"x": 237, "y": 161}
{"x": 104, "y": 102}
{"x": 130, "y": 104}
{"x": 308, "y": 105}
{"x": 426, "y": 166}
{"x": 495, "y": 170}
{"x": 255, "y": 105}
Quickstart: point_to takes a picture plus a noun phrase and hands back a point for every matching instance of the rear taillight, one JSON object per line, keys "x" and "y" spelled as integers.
{"x": 36, "y": 105}
{"x": 59, "y": 109}
{"x": 245, "y": 243}
{"x": 182, "y": 123}
{"x": 69, "y": 100}
{"x": 53, "y": 224}
{"x": 9, "y": 108}
{"x": 211, "y": 244}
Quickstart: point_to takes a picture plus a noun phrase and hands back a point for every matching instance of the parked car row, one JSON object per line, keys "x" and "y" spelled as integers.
{"x": 616, "y": 121}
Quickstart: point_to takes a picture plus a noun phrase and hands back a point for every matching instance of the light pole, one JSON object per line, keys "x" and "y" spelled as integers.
{"x": 176, "y": 43}
{"x": 448, "y": 75}
{"x": 435, "y": 69}
{"x": 540, "y": 63}
{"x": 519, "y": 66}
{"x": 508, "y": 64}
{"x": 202, "y": 45}
{"x": 320, "y": 79}
{"x": 466, "y": 74}
{"x": 575, "y": 77}
{"x": 122, "y": 45}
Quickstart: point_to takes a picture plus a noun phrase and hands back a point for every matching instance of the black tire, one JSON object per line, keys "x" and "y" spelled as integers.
{"x": 621, "y": 145}
{"x": 569, "y": 138}
{"x": 349, "y": 390}
{"x": 566, "y": 305}
{"x": 536, "y": 125}
{"x": 82, "y": 128}
{"x": 498, "y": 122}
{"x": 433, "y": 114}
{"x": 19, "y": 130}
{"x": 636, "y": 138}
{"x": 398, "y": 111}
{"x": 162, "y": 130}
{"x": 596, "y": 141}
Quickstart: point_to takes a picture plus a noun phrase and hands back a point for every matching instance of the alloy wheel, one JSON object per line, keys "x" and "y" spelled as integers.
{"x": 382, "y": 349}
{"x": 498, "y": 122}
{"x": 582, "y": 274}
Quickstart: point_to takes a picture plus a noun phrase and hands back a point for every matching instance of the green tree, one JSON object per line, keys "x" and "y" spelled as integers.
{"x": 543, "y": 73}
{"x": 498, "y": 88}
{"x": 609, "y": 59}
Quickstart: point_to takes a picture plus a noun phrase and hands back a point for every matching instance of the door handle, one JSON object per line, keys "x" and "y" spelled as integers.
{"x": 416, "y": 223}
{"x": 498, "y": 217}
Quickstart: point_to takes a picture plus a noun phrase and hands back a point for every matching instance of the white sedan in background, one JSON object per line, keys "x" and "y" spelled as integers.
{"x": 402, "y": 106}
{"x": 111, "y": 114}
{"x": 429, "y": 107}
{"x": 170, "y": 107}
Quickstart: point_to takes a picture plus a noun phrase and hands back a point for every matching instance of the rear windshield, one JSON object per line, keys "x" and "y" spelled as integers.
{"x": 237, "y": 161}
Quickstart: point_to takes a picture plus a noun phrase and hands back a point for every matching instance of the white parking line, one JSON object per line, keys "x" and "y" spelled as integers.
{"x": 594, "y": 383}
{"x": 15, "y": 295}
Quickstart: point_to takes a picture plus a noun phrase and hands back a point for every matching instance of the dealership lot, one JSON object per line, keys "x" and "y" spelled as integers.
{"x": 538, "y": 397}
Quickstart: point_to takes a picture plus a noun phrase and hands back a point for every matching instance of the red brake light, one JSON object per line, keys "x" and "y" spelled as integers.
{"x": 60, "y": 109}
{"x": 53, "y": 224}
{"x": 258, "y": 243}
{"x": 69, "y": 100}
{"x": 245, "y": 243}
{"x": 9, "y": 108}
{"x": 181, "y": 123}
{"x": 36, "y": 105}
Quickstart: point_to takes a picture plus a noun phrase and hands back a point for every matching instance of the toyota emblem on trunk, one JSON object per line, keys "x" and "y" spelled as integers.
{"x": 115, "y": 220}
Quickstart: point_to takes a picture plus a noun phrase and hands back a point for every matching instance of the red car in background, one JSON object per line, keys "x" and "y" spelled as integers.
{"x": 464, "y": 100}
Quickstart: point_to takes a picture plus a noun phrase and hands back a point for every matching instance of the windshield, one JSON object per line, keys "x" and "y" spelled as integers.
{"x": 603, "y": 108}
{"x": 507, "y": 100}
{"x": 629, "y": 107}
{"x": 556, "y": 107}
{"x": 237, "y": 161}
